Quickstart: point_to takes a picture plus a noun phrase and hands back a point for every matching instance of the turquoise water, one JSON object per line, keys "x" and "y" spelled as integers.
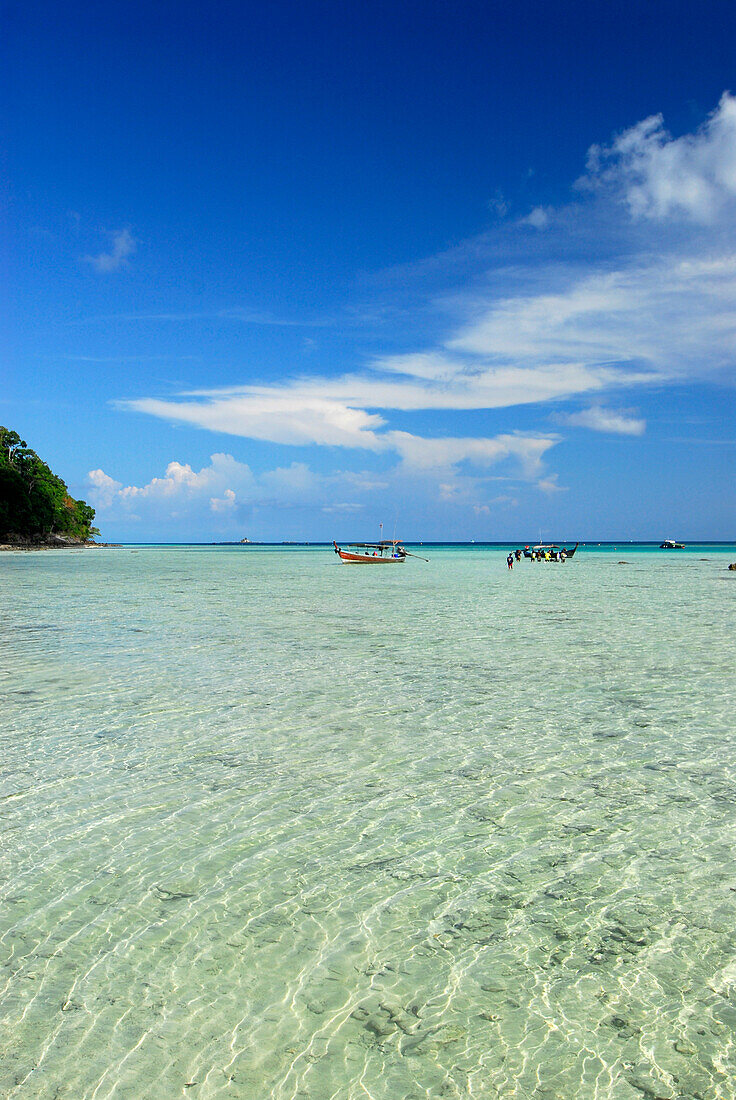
{"x": 277, "y": 827}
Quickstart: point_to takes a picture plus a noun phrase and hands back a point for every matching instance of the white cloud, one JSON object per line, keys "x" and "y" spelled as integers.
{"x": 179, "y": 484}
{"x": 538, "y": 218}
{"x": 226, "y": 503}
{"x": 665, "y": 320}
{"x": 650, "y": 322}
{"x": 223, "y": 487}
{"x": 659, "y": 176}
{"x": 438, "y": 454}
{"x": 549, "y": 485}
{"x": 430, "y": 366}
{"x": 123, "y": 246}
{"x": 225, "y": 482}
{"x": 604, "y": 420}
{"x": 295, "y": 481}
{"x": 104, "y": 488}
{"x": 279, "y": 415}
{"x": 182, "y": 481}
{"x": 345, "y": 506}
{"x": 653, "y": 305}
{"x": 503, "y": 498}
{"x": 224, "y": 491}
{"x": 243, "y": 314}
{"x": 449, "y": 491}
{"x": 585, "y": 336}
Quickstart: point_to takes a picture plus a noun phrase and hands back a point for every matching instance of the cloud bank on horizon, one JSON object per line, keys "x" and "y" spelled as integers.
{"x": 632, "y": 288}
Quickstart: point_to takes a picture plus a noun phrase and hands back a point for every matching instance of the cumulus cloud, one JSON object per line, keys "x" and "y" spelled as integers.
{"x": 225, "y": 491}
{"x": 180, "y": 483}
{"x": 226, "y": 483}
{"x": 180, "y": 480}
{"x": 604, "y": 420}
{"x": 123, "y": 246}
{"x": 226, "y": 503}
{"x": 104, "y": 488}
{"x": 660, "y": 176}
{"x": 224, "y": 486}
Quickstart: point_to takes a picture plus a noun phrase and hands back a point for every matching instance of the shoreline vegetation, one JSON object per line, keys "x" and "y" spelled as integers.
{"x": 37, "y": 511}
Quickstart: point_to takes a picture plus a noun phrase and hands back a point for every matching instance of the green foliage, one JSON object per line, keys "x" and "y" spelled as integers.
{"x": 34, "y": 502}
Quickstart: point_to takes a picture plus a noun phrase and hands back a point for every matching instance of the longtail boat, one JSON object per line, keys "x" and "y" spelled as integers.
{"x": 549, "y": 551}
{"x": 385, "y": 552}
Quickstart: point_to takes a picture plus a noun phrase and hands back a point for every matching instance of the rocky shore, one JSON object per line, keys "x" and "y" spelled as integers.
{"x": 54, "y": 542}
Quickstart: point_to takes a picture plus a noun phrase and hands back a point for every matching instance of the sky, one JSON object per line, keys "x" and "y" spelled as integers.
{"x": 290, "y": 270}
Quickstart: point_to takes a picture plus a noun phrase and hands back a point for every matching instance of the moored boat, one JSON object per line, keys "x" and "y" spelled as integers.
{"x": 385, "y": 552}
{"x": 670, "y": 544}
{"x": 549, "y": 551}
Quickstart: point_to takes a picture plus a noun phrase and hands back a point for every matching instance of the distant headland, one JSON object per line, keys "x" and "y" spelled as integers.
{"x": 36, "y": 510}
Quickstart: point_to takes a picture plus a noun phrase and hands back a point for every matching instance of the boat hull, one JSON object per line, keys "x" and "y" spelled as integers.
{"x": 367, "y": 559}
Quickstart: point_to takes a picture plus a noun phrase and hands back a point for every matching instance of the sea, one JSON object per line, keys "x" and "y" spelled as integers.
{"x": 275, "y": 828}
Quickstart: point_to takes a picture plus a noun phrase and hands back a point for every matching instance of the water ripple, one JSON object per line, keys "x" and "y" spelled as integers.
{"x": 273, "y": 829}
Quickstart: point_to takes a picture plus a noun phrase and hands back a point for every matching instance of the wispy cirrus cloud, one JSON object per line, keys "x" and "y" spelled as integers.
{"x": 646, "y": 322}
{"x": 581, "y": 322}
{"x": 599, "y": 419}
{"x": 596, "y": 334}
{"x": 123, "y": 247}
{"x": 238, "y": 314}
{"x": 444, "y": 453}
{"x": 293, "y": 415}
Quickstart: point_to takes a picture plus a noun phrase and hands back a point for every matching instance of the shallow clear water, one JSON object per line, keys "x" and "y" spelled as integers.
{"x": 277, "y": 827}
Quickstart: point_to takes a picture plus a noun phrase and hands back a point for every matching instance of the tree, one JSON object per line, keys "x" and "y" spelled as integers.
{"x": 11, "y": 442}
{"x": 34, "y": 501}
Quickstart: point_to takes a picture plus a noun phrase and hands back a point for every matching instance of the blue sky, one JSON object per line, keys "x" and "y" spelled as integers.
{"x": 290, "y": 270}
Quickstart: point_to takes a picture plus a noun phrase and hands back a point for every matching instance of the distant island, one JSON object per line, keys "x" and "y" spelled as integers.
{"x": 36, "y": 509}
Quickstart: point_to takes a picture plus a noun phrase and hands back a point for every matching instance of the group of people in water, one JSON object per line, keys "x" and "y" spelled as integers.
{"x": 543, "y": 553}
